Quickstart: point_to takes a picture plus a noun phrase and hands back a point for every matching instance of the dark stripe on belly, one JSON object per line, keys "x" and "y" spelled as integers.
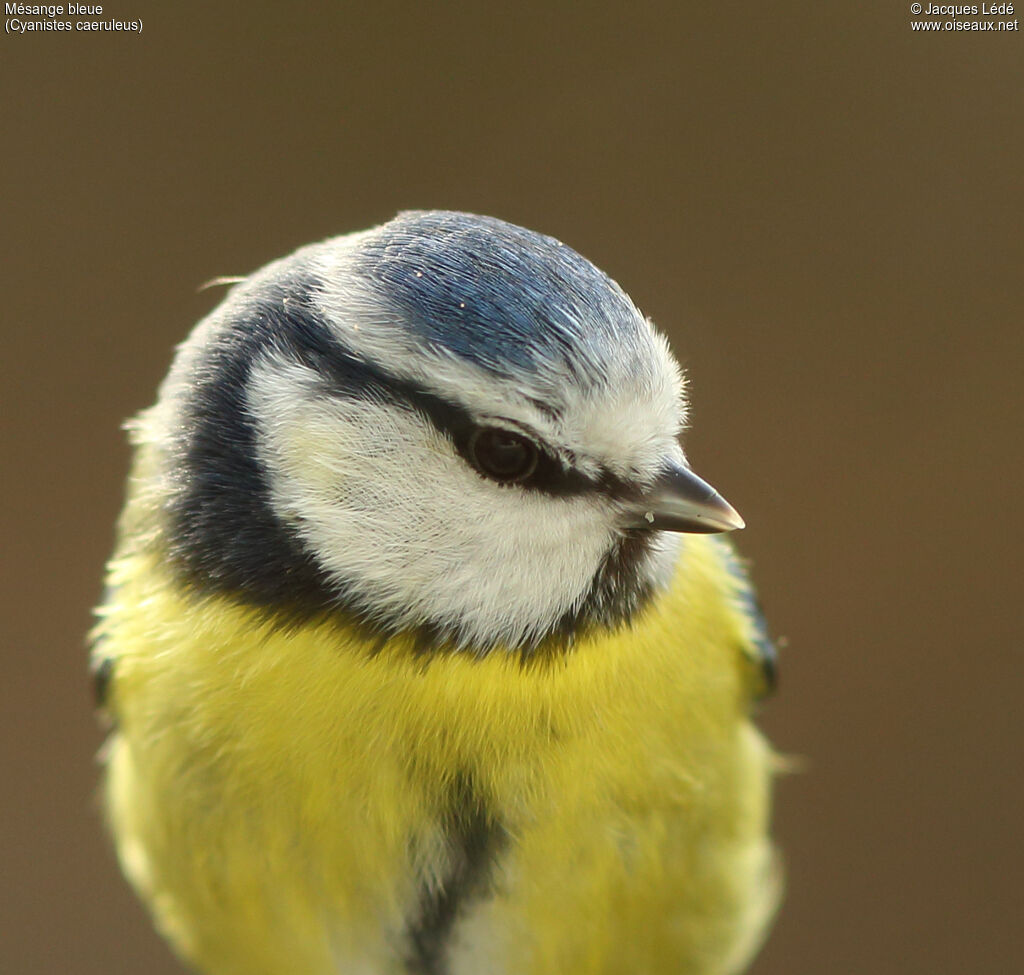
{"x": 474, "y": 841}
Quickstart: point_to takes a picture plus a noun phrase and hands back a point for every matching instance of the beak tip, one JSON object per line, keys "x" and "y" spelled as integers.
{"x": 738, "y": 522}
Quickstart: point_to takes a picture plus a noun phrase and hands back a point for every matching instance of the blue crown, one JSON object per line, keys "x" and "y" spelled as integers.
{"x": 497, "y": 295}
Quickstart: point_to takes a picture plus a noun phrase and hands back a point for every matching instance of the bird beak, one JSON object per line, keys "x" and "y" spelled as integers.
{"x": 680, "y": 501}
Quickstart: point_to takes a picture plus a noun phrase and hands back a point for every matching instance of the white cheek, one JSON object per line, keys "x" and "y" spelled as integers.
{"x": 393, "y": 513}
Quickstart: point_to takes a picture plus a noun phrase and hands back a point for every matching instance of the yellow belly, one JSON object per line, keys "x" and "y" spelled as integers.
{"x": 296, "y": 801}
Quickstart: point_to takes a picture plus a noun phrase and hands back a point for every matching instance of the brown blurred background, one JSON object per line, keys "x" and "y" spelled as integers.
{"x": 821, "y": 207}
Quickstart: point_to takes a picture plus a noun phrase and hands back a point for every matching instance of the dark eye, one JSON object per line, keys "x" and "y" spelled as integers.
{"x": 502, "y": 456}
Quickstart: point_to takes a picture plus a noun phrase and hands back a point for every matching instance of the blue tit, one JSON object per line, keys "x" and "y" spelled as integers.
{"x": 423, "y": 652}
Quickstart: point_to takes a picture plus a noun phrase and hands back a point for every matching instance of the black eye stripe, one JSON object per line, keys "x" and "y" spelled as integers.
{"x": 549, "y": 475}
{"x": 348, "y": 375}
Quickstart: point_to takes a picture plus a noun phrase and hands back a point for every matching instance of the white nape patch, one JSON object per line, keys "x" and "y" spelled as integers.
{"x": 401, "y": 523}
{"x": 628, "y": 424}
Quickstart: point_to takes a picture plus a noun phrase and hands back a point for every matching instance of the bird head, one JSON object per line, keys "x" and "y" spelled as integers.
{"x": 446, "y": 425}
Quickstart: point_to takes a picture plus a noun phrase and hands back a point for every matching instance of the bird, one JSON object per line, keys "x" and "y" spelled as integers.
{"x": 423, "y": 648}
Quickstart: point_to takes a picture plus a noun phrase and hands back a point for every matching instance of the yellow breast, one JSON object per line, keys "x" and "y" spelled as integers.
{"x": 295, "y": 799}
